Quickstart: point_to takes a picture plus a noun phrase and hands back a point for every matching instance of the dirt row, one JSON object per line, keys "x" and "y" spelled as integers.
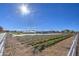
{"x": 14, "y": 48}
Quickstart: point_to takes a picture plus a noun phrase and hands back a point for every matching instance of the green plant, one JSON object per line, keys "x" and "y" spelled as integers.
{"x": 40, "y": 46}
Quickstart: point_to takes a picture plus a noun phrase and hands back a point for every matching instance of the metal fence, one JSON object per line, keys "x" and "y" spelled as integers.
{"x": 2, "y": 43}
{"x": 73, "y": 48}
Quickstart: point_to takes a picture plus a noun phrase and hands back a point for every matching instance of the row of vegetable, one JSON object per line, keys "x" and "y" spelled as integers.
{"x": 42, "y": 44}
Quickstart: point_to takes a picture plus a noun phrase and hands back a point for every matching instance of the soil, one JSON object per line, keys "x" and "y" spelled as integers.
{"x": 15, "y": 48}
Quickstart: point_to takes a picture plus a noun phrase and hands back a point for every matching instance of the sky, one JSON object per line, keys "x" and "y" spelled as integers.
{"x": 41, "y": 16}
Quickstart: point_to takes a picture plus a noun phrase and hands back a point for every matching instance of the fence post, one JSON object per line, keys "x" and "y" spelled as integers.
{"x": 73, "y": 48}
{"x": 2, "y": 43}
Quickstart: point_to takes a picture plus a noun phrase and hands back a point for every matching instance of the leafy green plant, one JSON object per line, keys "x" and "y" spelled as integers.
{"x": 40, "y": 46}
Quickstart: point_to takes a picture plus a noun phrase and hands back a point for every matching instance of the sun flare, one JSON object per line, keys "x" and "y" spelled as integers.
{"x": 24, "y": 10}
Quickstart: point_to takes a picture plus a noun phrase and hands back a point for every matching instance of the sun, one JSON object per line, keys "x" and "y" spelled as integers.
{"x": 24, "y": 10}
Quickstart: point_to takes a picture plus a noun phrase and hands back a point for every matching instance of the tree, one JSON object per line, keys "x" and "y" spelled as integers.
{"x": 67, "y": 31}
{"x": 1, "y": 29}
